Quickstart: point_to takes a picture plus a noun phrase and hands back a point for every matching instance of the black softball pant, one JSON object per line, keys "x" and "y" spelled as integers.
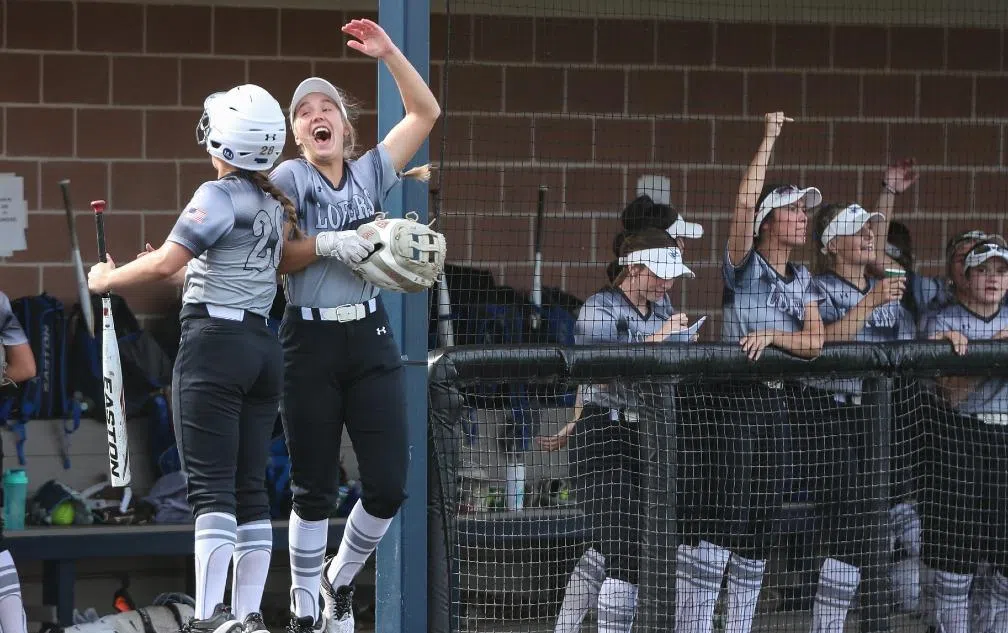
{"x": 344, "y": 373}
{"x": 227, "y": 382}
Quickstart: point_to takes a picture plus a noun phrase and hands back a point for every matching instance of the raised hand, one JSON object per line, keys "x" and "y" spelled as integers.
{"x": 372, "y": 40}
{"x": 900, "y": 176}
{"x": 774, "y": 122}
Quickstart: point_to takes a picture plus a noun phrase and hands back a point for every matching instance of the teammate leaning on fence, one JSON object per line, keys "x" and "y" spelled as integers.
{"x": 854, "y": 306}
{"x": 965, "y": 508}
{"x": 341, "y": 361}
{"x": 17, "y": 364}
{"x": 227, "y": 379}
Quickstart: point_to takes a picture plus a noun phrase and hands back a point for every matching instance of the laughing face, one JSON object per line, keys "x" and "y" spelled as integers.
{"x": 855, "y": 249}
{"x": 319, "y": 129}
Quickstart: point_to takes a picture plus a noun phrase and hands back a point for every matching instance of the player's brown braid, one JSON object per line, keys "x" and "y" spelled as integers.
{"x": 264, "y": 183}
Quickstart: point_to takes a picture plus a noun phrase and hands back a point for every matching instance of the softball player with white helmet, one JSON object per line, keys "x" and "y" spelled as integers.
{"x": 342, "y": 364}
{"x": 228, "y": 373}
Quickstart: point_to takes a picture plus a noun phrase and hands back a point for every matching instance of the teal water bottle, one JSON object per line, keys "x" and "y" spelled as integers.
{"x": 15, "y": 490}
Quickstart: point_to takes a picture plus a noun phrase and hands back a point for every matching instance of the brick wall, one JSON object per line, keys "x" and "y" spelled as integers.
{"x": 108, "y": 95}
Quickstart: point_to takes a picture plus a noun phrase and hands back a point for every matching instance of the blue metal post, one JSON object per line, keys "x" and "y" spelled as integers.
{"x": 402, "y": 555}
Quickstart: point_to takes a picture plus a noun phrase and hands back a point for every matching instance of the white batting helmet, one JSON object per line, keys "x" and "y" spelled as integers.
{"x": 243, "y": 127}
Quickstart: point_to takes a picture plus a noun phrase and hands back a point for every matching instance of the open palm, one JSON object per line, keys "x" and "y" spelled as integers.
{"x": 372, "y": 40}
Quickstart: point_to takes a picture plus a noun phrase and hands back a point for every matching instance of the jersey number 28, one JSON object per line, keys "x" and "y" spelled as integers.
{"x": 266, "y": 252}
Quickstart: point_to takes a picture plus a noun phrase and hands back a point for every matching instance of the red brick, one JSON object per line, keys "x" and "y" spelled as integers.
{"x": 203, "y": 77}
{"x": 311, "y": 33}
{"x": 180, "y": 29}
{"x": 40, "y": 25}
{"x": 474, "y": 191}
{"x": 157, "y": 300}
{"x": 802, "y": 46}
{"x": 357, "y": 78}
{"x": 521, "y": 189}
{"x": 123, "y": 239}
{"x": 857, "y": 46}
{"x": 75, "y": 79}
{"x": 94, "y": 140}
{"x": 46, "y": 238}
{"x": 21, "y": 78}
{"x": 504, "y": 238}
{"x": 889, "y": 95}
{"x": 703, "y": 293}
{"x": 683, "y": 141}
{"x": 457, "y": 133}
{"x": 708, "y": 248}
{"x": 859, "y": 143}
{"x": 594, "y": 189}
{"x": 685, "y": 43}
{"x": 279, "y": 77}
{"x": 502, "y": 38}
{"x": 497, "y": 138}
{"x": 944, "y": 192}
{"x": 974, "y": 49}
{"x": 170, "y": 134}
{"x": 565, "y": 40}
{"x": 990, "y": 193}
{"x": 803, "y": 144}
{"x": 563, "y": 139}
{"x": 20, "y": 281}
{"x": 532, "y": 89}
{"x": 566, "y": 239}
{"x": 735, "y": 142}
{"x": 714, "y": 92}
{"x": 28, "y": 171}
{"x": 840, "y": 187}
{"x": 615, "y": 37}
{"x": 622, "y": 141}
{"x": 974, "y": 145}
{"x": 147, "y": 186}
{"x": 88, "y": 181}
{"x": 456, "y": 41}
{"x": 928, "y": 237}
{"x": 774, "y": 92}
{"x": 917, "y": 47}
{"x": 247, "y": 31}
{"x": 832, "y": 95}
{"x": 584, "y": 279}
{"x": 455, "y": 228}
{"x": 40, "y": 131}
{"x": 990, "y": 96}
{"x": 483, "y": 87}
{"x": 111, "y": 27}
{"x": 145, "y": 81}
{"x": 191, "y": 176}
{"x": 595, "y": 90}
{"x": 924, "y": 141}
{"x": 747, "y": 45}
{"x": 156, "y": 227}
{"x": 675, "y": 177}
{"x": 367, "y": 132}
{"x": 712, "y": 191}
{"x": 655, "y": 92}
{"x": 945, "y": 96}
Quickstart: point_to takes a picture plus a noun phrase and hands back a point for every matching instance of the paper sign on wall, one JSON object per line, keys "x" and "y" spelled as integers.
{"x": 13, "y": 215}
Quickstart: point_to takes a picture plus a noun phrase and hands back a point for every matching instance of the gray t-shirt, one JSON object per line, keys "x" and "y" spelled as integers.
{"x": 233, "y": 229}
{"x": 11, "y": 332}
{"x": 608, "y": 317}
{"x": 991, "y": 394}
{"x": 757, "y": 298}
{"x": 325, "y": 206}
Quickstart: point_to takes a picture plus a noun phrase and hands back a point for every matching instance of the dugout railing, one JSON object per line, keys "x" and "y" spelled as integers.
{"x": 474, "y": 553}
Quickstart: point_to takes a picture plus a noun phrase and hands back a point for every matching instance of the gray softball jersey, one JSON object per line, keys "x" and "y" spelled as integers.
{"x": 11, "y": 332}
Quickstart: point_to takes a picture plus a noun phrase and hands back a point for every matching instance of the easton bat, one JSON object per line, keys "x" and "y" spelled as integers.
{"x": 445, "y": 328}
{"x": 537, "y": 266}
{"x": 83, "y": 294}
{"x": 115, "y": 419}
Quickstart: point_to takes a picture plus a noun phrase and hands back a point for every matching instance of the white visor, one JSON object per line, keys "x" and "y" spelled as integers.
{"x": 667, "y": 262}
{"x": 315, "y": 84}
{"x": 682, "y": 228}
{"x": 982, "y": 252}
{"x": 847, "y": 222}
{"x": 782, "y": 197}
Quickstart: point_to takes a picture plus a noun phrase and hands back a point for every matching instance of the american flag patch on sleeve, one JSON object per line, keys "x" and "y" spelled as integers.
{"x": 197, "y": 215}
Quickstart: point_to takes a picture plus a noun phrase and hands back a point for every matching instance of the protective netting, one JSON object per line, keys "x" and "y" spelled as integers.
{"x": 683, "y": 489}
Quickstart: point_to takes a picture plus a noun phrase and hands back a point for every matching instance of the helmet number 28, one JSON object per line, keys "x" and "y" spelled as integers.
{"x": 266, "y": 252}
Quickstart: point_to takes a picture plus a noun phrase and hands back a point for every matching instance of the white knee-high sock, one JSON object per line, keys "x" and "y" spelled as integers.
{"x": 216, "y": 534}
{"x": 685, "y": 589}
{"x": 12, "y": 613}
{"x": 360, "y": 537}
{"x": 745, "y": 576}
{"x": 952, "y": 601}
{"x": 582, "y": 591}
{"x": 250, "y": 563}
{"x": 710, "y": 561}
{"x": 617, "y": 603}
{"x": 838, "y": 583}
{"x": 905, "y": 527}
{"x": 307, "y": 553}
{"x": 999, "y": 603}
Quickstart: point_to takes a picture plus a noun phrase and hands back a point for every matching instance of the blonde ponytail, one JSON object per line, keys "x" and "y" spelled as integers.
{"x": 264, "y": 183}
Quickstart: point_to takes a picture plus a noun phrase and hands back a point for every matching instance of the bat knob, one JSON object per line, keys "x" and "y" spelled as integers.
{"x": 98, "y": 206}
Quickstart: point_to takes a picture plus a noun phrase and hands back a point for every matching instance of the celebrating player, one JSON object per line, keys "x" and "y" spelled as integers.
{"x": 342, "y": 364}
{"x": 769, "y": 301}
{"x": 227, "y": 379}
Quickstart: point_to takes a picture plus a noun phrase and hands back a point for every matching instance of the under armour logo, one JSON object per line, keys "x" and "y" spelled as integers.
{"x": 381, "y": 330}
